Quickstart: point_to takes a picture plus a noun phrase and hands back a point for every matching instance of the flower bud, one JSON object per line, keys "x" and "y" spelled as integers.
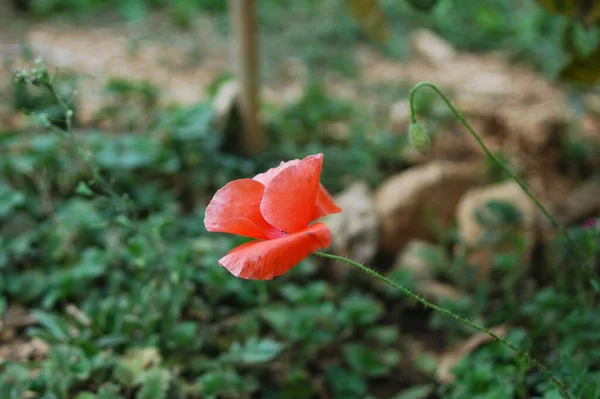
{"x": 40, "y": 76}
{"x": 21, "y": 76}
{"x": 419, "y": 138}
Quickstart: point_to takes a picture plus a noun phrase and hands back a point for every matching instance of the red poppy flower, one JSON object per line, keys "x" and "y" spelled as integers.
{"x": 276, "y": 208}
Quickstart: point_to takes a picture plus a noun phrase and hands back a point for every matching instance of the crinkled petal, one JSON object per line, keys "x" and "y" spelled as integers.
{"x": 235, "y": 209}
{"x": 325, "y": 204}
{"x": 263, "y": 260}
{"x": 267, "y": 176}
{"x": 289, "y": 199}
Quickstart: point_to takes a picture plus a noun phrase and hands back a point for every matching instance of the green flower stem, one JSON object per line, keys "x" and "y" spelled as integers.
{"x": 532, "y": 361}
{"x": 526, "y": 190}
{"x": 97, "y": 176}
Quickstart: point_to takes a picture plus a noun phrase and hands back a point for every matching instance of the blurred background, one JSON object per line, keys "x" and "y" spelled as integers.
{"x": 116, "y": 293}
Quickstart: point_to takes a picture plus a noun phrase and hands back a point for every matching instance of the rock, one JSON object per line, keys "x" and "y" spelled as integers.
{"x": 421, "y": 259}
{"x": 583, "y": 203}
{"x": 432, "y": 48}
{"x": 591, "y": 102}
{"x": 482, "y": 242}
{"x": 451, "y": 357}
{"x": 439, "y": 292}
{"x": 540, "y": 125}
{"x": 338, "y": 131}
{"x": 403, "y": 201}
{"x": 355, "y": 231}
{"x": 590, "y": 130}
{"x": 20, "y": 350}
{"x": 400, "y": 116}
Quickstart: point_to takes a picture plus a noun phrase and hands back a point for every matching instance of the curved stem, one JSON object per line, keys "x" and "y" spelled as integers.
{"x": 494, "y": 158}
{"x": 532, "y": 361}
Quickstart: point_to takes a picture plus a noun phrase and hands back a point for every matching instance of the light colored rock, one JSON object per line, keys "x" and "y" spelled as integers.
{"x": 431, "y": 47}
{"x": 337, "y": 130}
{"x": 404, "y": 201}
{"x": 480, "y": 242}
{"x": 539, "y": 125}
{"x": 451, "y": 357}
{"x": 583, "y": 203}
{"x": 421, "y": 259}
{"x": 590, "y": 129}
{"x": 591, "y": 102}
{"x": 400, "y": 116}
{"x": 355, "y": 231}
{"x": 439, "y": 292}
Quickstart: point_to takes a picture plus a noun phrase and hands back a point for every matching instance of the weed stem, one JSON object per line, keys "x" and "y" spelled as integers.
{"x": 532, "y": 361}
{"x": 590, "y": 268}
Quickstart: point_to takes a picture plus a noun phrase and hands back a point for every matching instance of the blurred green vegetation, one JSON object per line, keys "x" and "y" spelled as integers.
{"x": 531, "y": 33}
{"x": 134, "y": 305}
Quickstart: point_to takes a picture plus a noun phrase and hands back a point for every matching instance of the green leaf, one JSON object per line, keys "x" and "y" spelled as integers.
{"x": 3, "y": 304}
{"x": 278, "y": 317}
{"x": 345, "y": 384}
{"x": 14, "y": 381}
{"x": 83, "y": 189}
{"x": 255, "y": 351}
{"x": 553, "y": 394}
{"x": 494, "y": 214}
{"x": 297, "y": 385}
{"x": 57, "y": 328}
{"x": 583, "y": 69}
{"x": 225, "y": 383}
{"x": 584, "y": 10}
{"x": 423, "y": 5}
{"x": 385, "y": 335}
{"x": 10, "y": 199}
{"x": 595, "y": 285}
{"x": 132, "y": 367}
{"x": 109, "y": 391}
{"x": 309, "y": 294}
{"x": 359, "y": 309}
{"x": 69, "y": 361}
{"x": 418, "y": 392}
{"x": 185, "y": 334}
{"x": 155, "y": 385}
{"x": 367, "y": 362}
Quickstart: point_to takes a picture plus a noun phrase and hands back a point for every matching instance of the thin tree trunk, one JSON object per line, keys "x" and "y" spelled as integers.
{"x": 245, "y": 49}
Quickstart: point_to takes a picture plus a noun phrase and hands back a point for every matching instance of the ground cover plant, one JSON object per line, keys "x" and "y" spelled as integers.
{"x": 110, "y": 285}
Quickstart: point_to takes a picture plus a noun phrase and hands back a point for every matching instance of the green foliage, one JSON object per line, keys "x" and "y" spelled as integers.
{"x": 563, "y": 42}
{"x": 129, "y": 9}
{"x": 128, "y": 294}
{"x": 578, "y": 156}
{"x": 127, "y": 291}
{"x": 358, "y": 150}
{"x": 531, "y": 33}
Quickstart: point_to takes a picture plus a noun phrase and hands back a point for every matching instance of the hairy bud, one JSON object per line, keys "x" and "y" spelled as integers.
{"x": 419, "y": 138}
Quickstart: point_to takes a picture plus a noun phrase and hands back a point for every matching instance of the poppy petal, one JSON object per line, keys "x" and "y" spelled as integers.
{"x": 267, "y": 176}
{"x": 235, "y": 209}
{"x": 263, "y": 260}
{"x": 324, "y": 204}
{"x": 289, "y": 199}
